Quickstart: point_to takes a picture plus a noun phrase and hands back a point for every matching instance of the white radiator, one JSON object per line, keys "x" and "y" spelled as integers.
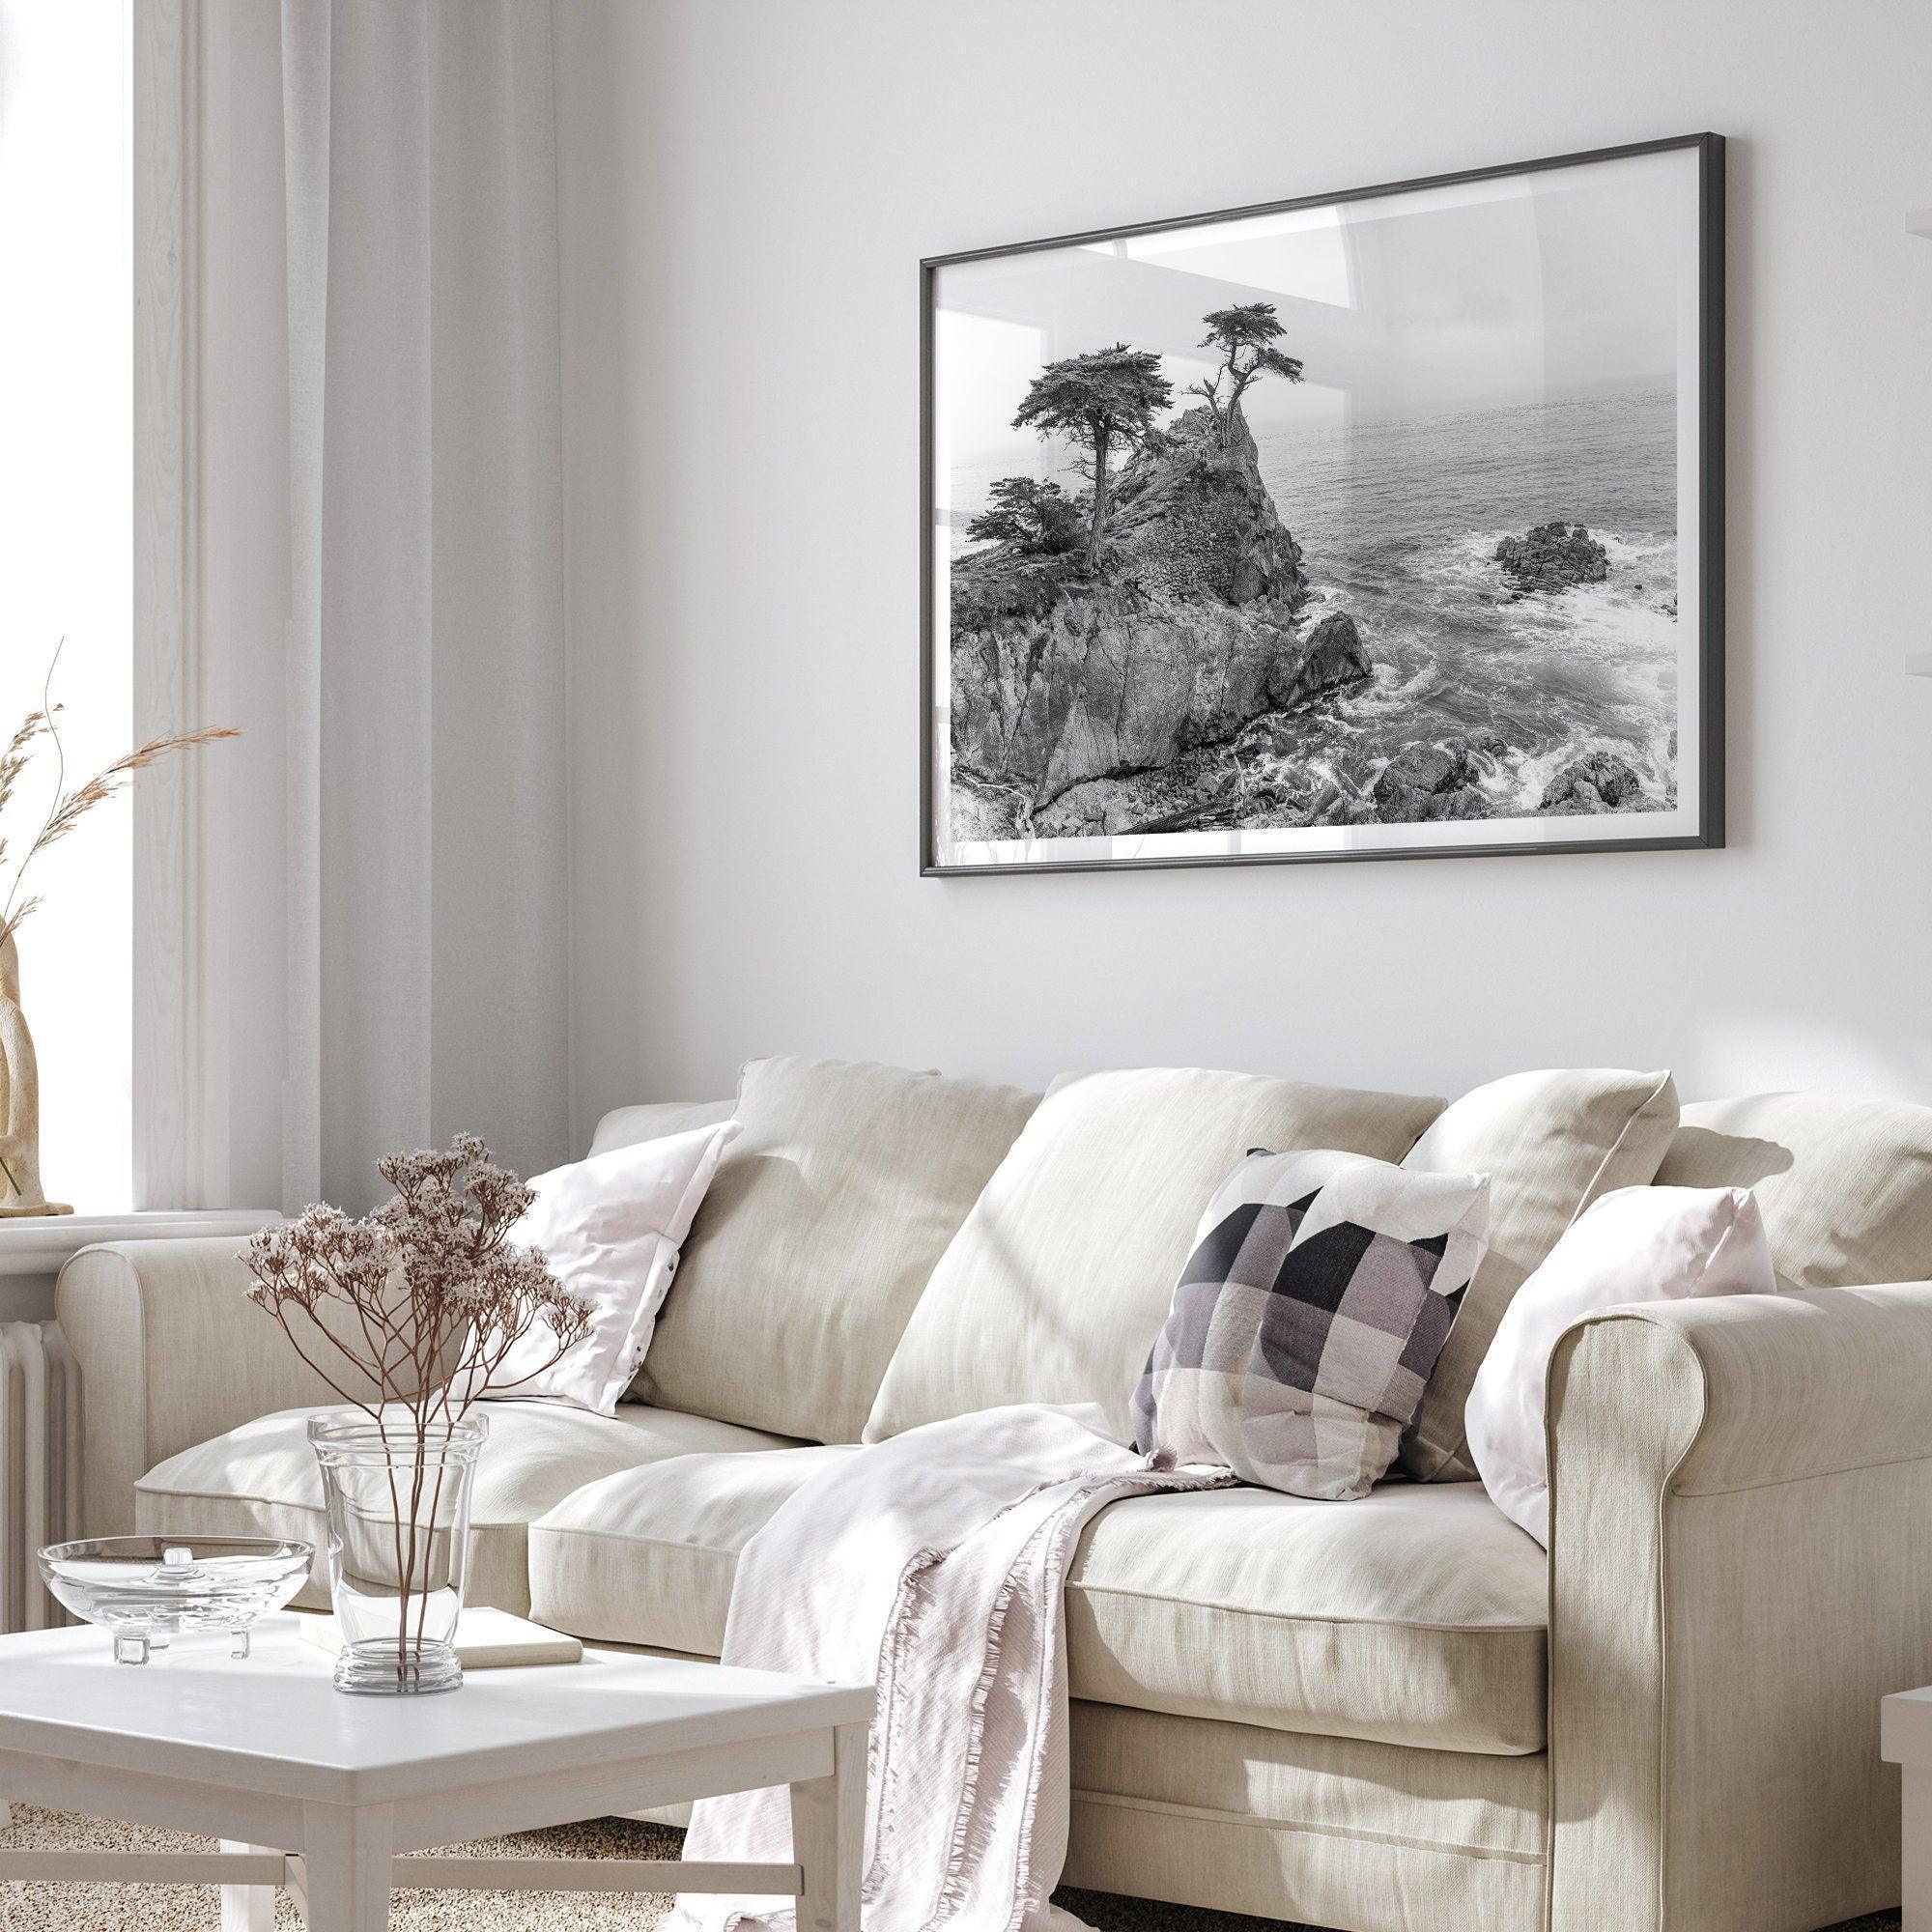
{"x": 40, "y": 1465}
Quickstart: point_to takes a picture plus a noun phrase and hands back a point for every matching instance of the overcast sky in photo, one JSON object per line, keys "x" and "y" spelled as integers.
{"x": 1478, "y": 292}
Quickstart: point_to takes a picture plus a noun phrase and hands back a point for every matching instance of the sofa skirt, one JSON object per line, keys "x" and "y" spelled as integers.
{"x": 1334, "y": 1833}
{"x": 1322, "y": 1831}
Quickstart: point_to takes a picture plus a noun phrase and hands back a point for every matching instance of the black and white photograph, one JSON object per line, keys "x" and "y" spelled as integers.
{"x": 1385, "y": 523}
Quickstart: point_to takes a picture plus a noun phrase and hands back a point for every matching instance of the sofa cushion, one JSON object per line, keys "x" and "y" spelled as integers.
{"x": 1844, "y": 1184}
{"x": 1551, "y": 1143}
{"x": 816, "y": 1238}
{"x": 1060, "y": 1278}
{"x": 262, "y": 1480}
{"x": 626, "y": 1126}
{"x": 1414, "y": 1616}
{"x": 624, "y": 1561}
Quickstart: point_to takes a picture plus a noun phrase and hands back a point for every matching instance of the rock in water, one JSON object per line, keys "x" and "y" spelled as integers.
{"x": 1597, "y": 782}
{"x": 1331, "y": 657}
{"x": 1554, "y": 557}
{"x": 1186, "y": 634}
{"x": 1425, "y": 783}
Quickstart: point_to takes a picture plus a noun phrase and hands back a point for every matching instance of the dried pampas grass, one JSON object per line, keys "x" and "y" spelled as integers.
{"x": 70, "y": 805}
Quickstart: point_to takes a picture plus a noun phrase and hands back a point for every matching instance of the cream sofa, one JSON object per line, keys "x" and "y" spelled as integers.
{"x": 1396, "y": 1715}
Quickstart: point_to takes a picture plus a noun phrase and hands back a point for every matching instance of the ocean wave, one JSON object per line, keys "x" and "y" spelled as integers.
{"x": 1514, "y": 779}
{"x": 1527, "y": 682}
{"x": 1400, "y": 522}
{"x": 1518, "y": 779}
{"x": 1629, "y": 619}
{"x": 1389, "y": 691}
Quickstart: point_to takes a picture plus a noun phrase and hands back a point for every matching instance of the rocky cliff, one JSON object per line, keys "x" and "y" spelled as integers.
{"x": 1102, "y": 684}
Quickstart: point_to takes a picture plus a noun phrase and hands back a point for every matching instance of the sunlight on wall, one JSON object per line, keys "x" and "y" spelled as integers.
{"x": 65, "y": 556}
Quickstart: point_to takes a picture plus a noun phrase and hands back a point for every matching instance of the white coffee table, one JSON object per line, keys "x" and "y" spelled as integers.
{"x": 320, "y": 1791}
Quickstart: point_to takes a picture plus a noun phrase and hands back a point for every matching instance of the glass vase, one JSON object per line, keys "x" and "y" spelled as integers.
{"x": 397, "y": 1494}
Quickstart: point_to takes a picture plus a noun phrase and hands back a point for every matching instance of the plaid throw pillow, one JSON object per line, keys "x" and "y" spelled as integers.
{"x": 1305, "y": 1324}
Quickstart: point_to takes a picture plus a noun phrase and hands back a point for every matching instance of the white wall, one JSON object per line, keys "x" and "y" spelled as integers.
{"x": 746, "y": 187}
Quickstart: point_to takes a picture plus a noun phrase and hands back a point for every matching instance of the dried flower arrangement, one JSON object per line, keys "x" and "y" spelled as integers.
{"x": 425, "y": 1297}
{"x": 438, "y": 1291}
{"x": 67, "y": 806}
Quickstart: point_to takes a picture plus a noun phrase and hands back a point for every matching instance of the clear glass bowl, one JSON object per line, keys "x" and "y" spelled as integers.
{"x": 145, "y": 1590}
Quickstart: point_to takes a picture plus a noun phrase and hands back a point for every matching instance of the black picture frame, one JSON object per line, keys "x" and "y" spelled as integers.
{"x": 1709, "y": 521}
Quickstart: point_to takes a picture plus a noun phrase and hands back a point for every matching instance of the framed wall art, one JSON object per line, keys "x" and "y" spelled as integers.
{"x": 1376, "y": 525}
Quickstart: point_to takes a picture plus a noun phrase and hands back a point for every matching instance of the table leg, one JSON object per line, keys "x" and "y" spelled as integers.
{"x": 1916, "y": 1847}
{"x": 346, "y": 1854}
{"x": 828, "y": 1831}
{"x": 246, "y": 1907}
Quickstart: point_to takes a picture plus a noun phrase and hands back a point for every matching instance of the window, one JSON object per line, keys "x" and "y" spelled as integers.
{"x": 66, "y": 545}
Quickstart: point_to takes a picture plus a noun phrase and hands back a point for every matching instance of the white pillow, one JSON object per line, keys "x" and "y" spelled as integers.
{"x": 1638, "y": 1244}
{"x": 612, "y": 1226}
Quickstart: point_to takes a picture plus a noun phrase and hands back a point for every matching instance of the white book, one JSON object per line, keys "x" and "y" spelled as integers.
{"x": 485, "y": 1640}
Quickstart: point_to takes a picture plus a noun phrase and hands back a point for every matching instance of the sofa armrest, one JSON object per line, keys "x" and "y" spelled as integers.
{"x": 1740, "y": 1566}
{"x": 171, "y": 1352}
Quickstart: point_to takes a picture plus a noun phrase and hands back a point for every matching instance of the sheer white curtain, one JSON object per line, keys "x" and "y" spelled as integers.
{"x": 426, "y": 912}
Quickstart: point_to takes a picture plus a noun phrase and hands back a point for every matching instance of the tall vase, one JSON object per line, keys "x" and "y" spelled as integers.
{"x": 397, "y": 1494}
{"x": 20, "y": 1100}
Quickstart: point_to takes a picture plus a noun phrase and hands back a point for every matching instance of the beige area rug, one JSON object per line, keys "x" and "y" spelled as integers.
{"x": 188, "y": 1908}
{"x": 196, "y": 1908}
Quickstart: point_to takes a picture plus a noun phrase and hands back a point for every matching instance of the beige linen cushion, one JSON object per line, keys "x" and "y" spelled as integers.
{"x": 261, "y": 1479}
{"x": 817, "y": 1238}
{"x": 1551, "y": 1143}
{"x": 1844, "y": 1184}
{"x": 651, "y": 1563}
{"x": 1415, "y": 1615}
{"x": 626, "y": 1126}
{"x": 1057, "y": 1284}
